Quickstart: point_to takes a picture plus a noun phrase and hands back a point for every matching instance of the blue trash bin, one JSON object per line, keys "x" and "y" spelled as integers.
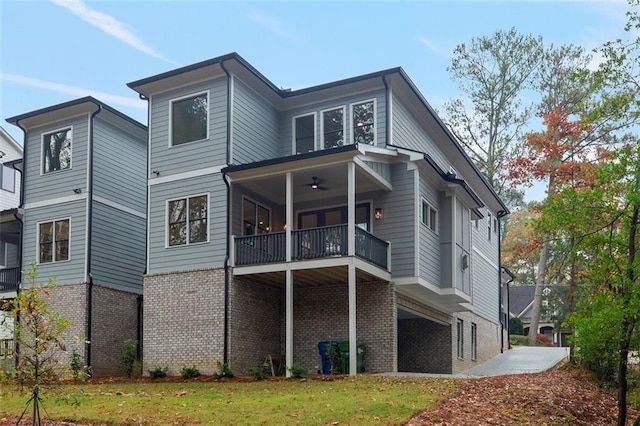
{"x": 323, "y": 348}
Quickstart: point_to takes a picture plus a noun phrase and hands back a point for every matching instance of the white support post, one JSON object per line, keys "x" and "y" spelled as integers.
{"x": 353, "y": 355}
{"x": 289, "y": 322}
{"x": 289, "y": 216}
{"x": 351, "y": 208}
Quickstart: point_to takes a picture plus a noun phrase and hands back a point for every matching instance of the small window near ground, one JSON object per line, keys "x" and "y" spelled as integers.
{"x": 189, "y": 119}
{"x": 429, "y": 216}
{"x": 474, "y": 341}
{"x": 460, "y": 338}
{"x": 187, "y": 220}
{"x": 363, "y": 122}
{"x": 333, "y": 128}
{"x": 305, "y": 131}
{"x": 56, "y": 151}
{"x": 8, "y": 178}
{"x": 53, "y": 239}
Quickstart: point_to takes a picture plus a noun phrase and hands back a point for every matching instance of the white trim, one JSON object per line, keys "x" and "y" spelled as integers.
{"x": 148, "y": 207}
{"x": 485, "y": 258}
{"x": 186, "y": 175}
{"x": 430, "y": 207}
{"x": 189, "y": 96}
{"x": 390, "y": 120}
{"x": 417, "y": 219}
{"x": 232, "y": 88}
{"x": 294, "y": 147}
{"x": 344, "y": 125}
{"x": 55, "y": 201}
{"x": 119, "y": 206}
{"x": 53, "y": 255}
{"x": 51, "y": 132}
{"x": 87, "y": 220}
{"x": 166, "y": 220}
{"x": 375, "y": 120}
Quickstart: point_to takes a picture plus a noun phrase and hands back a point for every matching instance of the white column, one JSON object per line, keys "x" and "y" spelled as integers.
{"x": 289, "y": 322}
{"x": 289, "y": 216}
{"x": 353, "y": 356}
{"x": 351, "y": 208}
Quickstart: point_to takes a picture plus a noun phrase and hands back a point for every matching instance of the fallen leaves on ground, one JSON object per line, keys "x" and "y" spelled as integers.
{"x": 557, "y": 397}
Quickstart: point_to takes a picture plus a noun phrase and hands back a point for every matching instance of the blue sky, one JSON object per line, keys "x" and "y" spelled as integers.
{"x": 59, "y": 50}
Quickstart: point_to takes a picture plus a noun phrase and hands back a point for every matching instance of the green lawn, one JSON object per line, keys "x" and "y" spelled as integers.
{"x": 363, "y": 400}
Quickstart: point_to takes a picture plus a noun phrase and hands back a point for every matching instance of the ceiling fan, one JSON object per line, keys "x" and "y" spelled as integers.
{"x": 315, "y": 184}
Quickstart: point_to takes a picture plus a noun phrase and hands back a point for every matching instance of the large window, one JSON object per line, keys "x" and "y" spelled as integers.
{"x": 474, "y": 341}
{"x": 363, "y": 122}
{"x": 429, "y": 216}
{"x": 305, "y": 131}
{"x": 333, "y": 128}
{"x": 460, "y": 339}
{"x": 53, "y": 239}
{"x": 56, "y": 151}
{"x": 189, "y": 119}
{"x": 7, "y": 178}
{"x": 256, "y": 219}
{"x": 187, "y": 220}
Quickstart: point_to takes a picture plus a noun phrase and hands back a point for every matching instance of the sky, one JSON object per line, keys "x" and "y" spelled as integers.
{"x": 59, "y": 50}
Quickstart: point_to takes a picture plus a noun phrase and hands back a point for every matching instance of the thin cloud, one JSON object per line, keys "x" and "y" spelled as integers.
{"x": 272, "y": 24}
{"x": 434, "y": 47}
{"x": 109, "y": 25}
{"x": 73, "y": 90}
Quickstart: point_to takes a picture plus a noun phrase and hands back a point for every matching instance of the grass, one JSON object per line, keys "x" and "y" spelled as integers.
{"x": 362, "y": 400}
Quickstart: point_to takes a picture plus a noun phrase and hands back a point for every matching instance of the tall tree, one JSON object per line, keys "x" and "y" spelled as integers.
{"x": 493, "y": 72}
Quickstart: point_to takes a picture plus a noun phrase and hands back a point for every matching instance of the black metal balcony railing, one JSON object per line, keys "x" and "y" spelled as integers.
{"x": 9, "y": 279}
{"x": 312, "y": 243}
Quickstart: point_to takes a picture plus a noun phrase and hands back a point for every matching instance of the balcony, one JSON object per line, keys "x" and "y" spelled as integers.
{"x": 9, "y": 279}
{"x": 312, "y": 243}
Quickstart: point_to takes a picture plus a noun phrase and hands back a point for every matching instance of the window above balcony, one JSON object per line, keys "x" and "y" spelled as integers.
{"x": 189, "y": 119}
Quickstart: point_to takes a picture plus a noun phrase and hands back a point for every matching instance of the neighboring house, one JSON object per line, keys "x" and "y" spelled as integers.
{"x": 10, "y": 229}
{"x": 84, "y": 203}
{"x": 521, "y": 306}
{"x": 278, "y": 219}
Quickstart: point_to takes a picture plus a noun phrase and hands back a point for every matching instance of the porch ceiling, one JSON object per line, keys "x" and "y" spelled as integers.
{"x": 312, "y": 277}
{"x": 332, "y": 180}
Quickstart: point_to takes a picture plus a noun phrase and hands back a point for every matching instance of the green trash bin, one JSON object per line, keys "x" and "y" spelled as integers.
{"x": 343, "y": 347}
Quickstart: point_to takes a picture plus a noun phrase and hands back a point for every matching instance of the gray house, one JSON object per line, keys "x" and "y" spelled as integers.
{"x": 278, "y": 219}
{"x": 84, "y": 205}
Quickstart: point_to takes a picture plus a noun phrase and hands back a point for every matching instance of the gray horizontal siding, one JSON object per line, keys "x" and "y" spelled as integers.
{"x": 67, "y": 272}
{"x": 196, "y": 256}
{"x": 40, "y": 187}
{"x": 120, "y": 166}
{"x": 383, "y": 169}
{"x": 194, "y": 155}
{"x": 255, "y": 126}
{"x": 118, "y": 248}
{"x": 408, "y": 133}
{"x": 286, "y": 119}
{"x": 485, "y": 288}
{"x": 430, "y": 256}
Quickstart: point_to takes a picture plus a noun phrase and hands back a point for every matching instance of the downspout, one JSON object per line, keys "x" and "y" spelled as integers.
{"x": 225, "y": 344}
{"x": 20, "y": 207}
{"x": 501, "y": 214}
{"x": 89, "y": 245}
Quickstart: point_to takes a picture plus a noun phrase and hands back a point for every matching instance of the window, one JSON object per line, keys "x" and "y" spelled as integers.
{"x": 53, "y": 239}
{"x": 460, "y": 339}
{"x": 256, "y": 219}
{"x": 305, "y": 133}
{"x": 495, "y": 225}
{"x": 187, "y": 220}
{"x": 8, "y": 178}
{"x": 189, "y": 119}
{"x": 474, "y": 341}
{"x": 429, "y": 216}
{"x": 333, "y": 128}
{"x": 363, "y": 122}
{"x": 56, "y": 151}
{"x": 489, "y": 226}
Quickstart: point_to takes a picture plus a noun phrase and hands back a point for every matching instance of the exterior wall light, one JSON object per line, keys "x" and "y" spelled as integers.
{"x": 379, "y": 214}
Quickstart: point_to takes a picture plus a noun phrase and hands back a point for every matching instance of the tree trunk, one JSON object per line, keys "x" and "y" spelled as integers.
{"x": 537, "y": 296}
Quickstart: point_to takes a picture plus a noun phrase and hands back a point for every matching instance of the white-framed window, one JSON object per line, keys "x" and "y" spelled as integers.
{"x": 187, "y": 220}
{"x": 460, "y": 338}
{"x": 333, "y": 127}
{"x": 7, "y": 178}
{"x": 256, "y": 219}
{"x": 189, "y": 118}
{"x": 56, "y": 150}
{"x": 53, "y": 241}
{"x": 429, "y": 216}
{"x": 363, "y": 122}
{"x": 304, "y": 133}
{"x": 474, "y": 341}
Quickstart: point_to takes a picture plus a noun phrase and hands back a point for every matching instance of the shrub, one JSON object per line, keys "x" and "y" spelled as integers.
{"x": 544, "y": 339}
{"x": 79, "y": 371}
{"x": 224, "y": 370}
{"x": 261, "y": 371}
{"x": 128, "y": 357}
{"x": 189, "y": 372}
{"x": 515, "y": 326}
{"x": 158, "y": 372}
{"x": 297, "y": 371}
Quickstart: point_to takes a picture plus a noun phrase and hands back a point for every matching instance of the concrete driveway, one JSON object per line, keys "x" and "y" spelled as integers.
{"x": 519, "y": 360}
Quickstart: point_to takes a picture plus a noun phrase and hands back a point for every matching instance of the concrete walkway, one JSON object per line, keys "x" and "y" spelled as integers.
{"x": 520, "y": 360}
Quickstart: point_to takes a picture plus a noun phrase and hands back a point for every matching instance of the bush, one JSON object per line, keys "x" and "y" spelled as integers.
{"x": 158, "y": 372}
{"x": 261, "y": 371}
{"x": 129, "y": 357}
{"x": 517, "y": 340}
{"x": 79, "y": 371}
{"x": 189, "y": 372}
{"x": 297, "y": 371}
{"x": 515, "y": 326}
{"x": 224, "y": 370}
{"x": 544, "y": 340}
